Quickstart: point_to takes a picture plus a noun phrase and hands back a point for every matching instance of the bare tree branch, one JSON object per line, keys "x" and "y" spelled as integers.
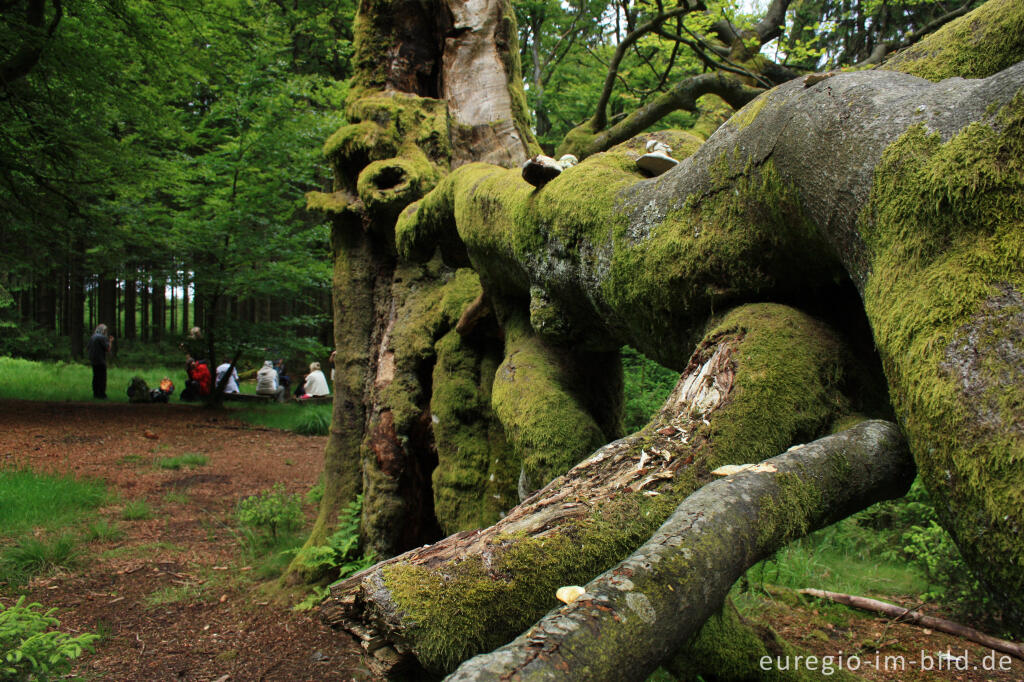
{"x": 883, "y": 49}
{"x": 600, "y": 118}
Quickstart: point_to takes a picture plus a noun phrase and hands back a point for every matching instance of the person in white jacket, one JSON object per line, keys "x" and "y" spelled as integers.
{"x": 316, "y": 382}
{"x": 232, "y": 385}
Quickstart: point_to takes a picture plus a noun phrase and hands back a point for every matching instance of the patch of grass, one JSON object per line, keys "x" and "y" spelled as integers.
{"x": 33, "y": 556}
{"x": 133, "y": 459}
{"x": 29, "y": 500}
{"x": 102, "y": 531}
{"x": 136, "y": 510}
{"x": 187, "y": 459}
{"x": 310, "y": 420}
{"x": 64, "y": 381}
{"x": 315, "y": 422}
{"x": 176, "y": 498}
{"x": 173, "y": 594}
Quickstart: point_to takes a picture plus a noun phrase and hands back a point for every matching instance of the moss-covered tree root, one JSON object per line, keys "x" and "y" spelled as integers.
{"x": 639, "y": 612}
{"x": 477, "y": 589}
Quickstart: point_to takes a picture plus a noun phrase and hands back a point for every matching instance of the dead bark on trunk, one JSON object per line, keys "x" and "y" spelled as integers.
{"x": 639, "y": 613}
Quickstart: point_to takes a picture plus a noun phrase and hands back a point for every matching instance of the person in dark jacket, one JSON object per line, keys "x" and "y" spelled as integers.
{"x": 99, "y": 349}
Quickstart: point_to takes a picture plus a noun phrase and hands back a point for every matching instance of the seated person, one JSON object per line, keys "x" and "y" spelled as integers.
{"x": 316, "y": 382}
{"x": 232, "y": 385}
{"x": 266, "y": 382}
{"x": 282, "y": 375}
{"x": 162, "y": 393}
{"x": 199, "y": 383}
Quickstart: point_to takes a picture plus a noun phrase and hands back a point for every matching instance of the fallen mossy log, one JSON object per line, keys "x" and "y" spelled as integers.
{"x": 476, "y": 590}
{"x": 640, "y": 612}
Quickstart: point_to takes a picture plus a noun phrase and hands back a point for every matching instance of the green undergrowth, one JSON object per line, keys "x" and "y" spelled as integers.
{"x": 646, "y": 385}
{"x": 271, "y": 527}
{"x": 30, "y": 646}
{"x": 41, "y": 519}
{"x": 337, "y": 559}
{"x": 63, "y": 381}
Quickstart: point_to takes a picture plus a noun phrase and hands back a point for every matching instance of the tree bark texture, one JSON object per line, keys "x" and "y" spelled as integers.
{"x": 641, "y": 611}
{"x": 392, "y": 323}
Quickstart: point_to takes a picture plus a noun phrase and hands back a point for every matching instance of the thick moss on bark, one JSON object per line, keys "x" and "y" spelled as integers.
{"x": 547, "y": 423}
{"x": 465, "y": 610}
{"x": 627, "y": 272}
{"x": 392, "y": 153}
{"x": 977, "y": 45}
{"x": 477, "y": 470}
{"x": 945, "y": 234}
{"x": 800, "y": 379}
{"x": 425, "y": 302}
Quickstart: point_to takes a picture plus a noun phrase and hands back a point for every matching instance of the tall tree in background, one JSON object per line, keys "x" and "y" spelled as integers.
{"x": 153, "y": 144}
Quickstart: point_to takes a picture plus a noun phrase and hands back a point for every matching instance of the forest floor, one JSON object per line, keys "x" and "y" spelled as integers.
{"x": 175, "y": 599}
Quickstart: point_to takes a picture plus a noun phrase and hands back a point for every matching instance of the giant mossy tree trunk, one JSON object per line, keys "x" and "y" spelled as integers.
{"x": 910, "y": 224}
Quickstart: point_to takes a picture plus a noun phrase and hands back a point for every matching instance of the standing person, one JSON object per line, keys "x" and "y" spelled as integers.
{"x": 193, "y": 345}
{"x": 99, "y": 349}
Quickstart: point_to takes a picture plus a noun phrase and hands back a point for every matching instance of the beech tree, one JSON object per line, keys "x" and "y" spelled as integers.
{"x": 800, "y": 293}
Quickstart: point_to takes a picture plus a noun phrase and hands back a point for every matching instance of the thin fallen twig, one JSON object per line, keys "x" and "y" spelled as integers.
{"x": 1012, "y": 648}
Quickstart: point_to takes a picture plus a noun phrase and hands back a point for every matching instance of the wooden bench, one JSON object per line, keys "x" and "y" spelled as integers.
{"x": 248, "y": 398}
{"x": 316, "y": 400}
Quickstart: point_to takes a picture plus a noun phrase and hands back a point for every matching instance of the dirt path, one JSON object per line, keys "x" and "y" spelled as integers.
{"x": 214, "y": 621}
